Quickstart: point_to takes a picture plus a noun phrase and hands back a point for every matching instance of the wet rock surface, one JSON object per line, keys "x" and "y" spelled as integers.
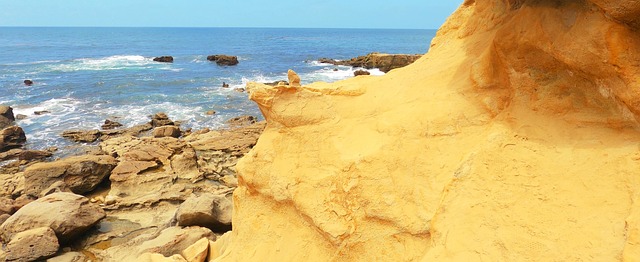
{"x": 133, "y": 185}
{"x": 225, "y": 60}
{"x": 164, "y": 59}
{"x": 384, "y": 62}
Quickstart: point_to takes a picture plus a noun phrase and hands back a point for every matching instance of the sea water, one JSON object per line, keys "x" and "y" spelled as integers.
{"x": 83, "y": 76}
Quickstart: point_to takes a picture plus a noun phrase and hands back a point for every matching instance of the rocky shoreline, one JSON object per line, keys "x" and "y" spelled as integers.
{"x": 150, "y": 192}
{"x": 142, "y": 193}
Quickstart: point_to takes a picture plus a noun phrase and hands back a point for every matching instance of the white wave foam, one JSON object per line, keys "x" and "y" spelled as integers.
{"x": 58, "y": 108}
{"x": 330, "y": 74}
{"x": 116, "y": 62}
{"x": 32, "y": 63}
{"x": 199, "y": 59}
{"x": 131, "y": 115}
{"x": 318, "y": 63}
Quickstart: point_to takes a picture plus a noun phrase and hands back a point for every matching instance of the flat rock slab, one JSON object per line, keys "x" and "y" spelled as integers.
{"x": 33, "y": 244}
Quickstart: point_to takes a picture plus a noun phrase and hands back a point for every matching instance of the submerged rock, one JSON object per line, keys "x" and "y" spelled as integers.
{"x": 225, "y": 60}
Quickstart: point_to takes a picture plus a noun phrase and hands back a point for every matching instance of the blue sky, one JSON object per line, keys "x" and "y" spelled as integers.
{"x": 424, "y": 14}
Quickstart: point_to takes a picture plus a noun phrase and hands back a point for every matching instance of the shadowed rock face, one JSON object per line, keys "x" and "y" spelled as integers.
{"x": 514, "y": 137}
{"x": 69, "y": 216}
{"x": 570, "y": 49}
{"x": 12, "y": 137}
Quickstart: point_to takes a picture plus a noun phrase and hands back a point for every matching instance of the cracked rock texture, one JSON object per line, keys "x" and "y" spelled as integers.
{"x": 515, "y": 138}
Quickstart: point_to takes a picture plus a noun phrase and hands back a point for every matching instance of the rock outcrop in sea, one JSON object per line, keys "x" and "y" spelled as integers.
{"x": 384, "y": 62}
{"x": 514, "y": 138}
{"x": 224, "y": 60}
{"x": 164, "y": 59}
{"x": 136, "y": 197}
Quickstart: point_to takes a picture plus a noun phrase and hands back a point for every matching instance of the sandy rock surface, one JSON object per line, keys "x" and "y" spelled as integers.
{"x": 33, "y": 244}
{"x": 514, "y": 138}
{"x": 68, "y": 214}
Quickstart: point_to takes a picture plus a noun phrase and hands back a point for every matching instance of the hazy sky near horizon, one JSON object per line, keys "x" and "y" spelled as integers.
{"x": 422, "y": 14}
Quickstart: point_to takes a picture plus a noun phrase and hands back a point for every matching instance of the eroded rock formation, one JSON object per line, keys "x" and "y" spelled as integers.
{"x": 514, "y": 138}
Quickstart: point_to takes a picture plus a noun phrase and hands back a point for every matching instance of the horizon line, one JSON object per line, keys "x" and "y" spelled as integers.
{"x": 209, "y": 27}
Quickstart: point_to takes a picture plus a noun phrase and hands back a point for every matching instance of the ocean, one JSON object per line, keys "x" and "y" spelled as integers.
{"x": 83, "y": 76}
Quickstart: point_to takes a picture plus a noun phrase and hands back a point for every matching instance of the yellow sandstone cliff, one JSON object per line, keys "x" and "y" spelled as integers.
{"x": 514, "y": 139}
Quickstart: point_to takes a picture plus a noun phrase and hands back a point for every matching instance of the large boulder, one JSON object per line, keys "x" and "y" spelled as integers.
{"x": 207, "y": 210}
{"x": 12, "y": 137}
{"x": 31, "y": 245}
{"x": 6, "y": 116}
{"x": 68, "y": 214}
{"x": 81, "y": 174}
{"x": 226, "y": 60}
